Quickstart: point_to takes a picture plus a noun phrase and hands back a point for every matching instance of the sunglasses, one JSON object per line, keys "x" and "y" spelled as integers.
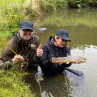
{"x": 27, "y": 30}
{"x": 64, "y": 40}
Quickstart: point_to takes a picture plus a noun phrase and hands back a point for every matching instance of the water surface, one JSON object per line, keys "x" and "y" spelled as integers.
{"x": 82, "y": 27}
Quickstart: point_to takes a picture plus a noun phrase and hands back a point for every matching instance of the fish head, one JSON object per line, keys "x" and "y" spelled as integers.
{"x": 83, "y": 60}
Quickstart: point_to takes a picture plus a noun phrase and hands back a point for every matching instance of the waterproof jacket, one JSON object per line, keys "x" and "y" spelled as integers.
{"x": 50, "y": 50}
{"x": 25, "y": 49}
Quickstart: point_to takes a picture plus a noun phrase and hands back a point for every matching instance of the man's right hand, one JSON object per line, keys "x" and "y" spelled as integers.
{"x": 17, "y": 59}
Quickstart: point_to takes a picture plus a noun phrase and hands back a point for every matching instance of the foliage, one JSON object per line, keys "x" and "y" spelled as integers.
{"x": 5, "y": 36}
{"x": 44, "y": 6}
{"x": 82, "y": 3}
{"x": 72, "y": 17}
{"x": 13, "y": 17}
{"x": 61, "y": 4}
{"x": 30, "y": 12}
{"x": 15, "y": 11}
{"x": 53, "y": 5}
{"x": 11, "y": 85}
{"x": 12, "y": 12}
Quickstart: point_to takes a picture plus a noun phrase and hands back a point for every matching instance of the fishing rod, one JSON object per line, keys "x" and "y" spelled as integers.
{"x": 8, "y": 46}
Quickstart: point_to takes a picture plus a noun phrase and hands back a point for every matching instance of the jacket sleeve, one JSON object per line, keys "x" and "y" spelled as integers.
{"x": 46, "y": 58}
{"x": 47, "y": 67}
{"x": 5, "y": 64}
{"x": 7, "y": 55}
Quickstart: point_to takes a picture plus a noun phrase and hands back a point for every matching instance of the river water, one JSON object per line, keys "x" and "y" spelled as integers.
{"x": 82, "y": 28}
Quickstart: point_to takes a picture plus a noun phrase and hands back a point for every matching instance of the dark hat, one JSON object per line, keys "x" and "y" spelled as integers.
{"x": 26, "y": 25}
{"x": 64, "y": 34}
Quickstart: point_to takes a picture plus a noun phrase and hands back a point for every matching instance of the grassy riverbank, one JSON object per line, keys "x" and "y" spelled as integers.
{"x": 11, "y": 13}
{"x": 11, "y": 84}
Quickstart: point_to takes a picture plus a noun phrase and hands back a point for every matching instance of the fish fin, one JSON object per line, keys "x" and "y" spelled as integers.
{"x": 60, "y": 63}
{"x": 67, "y": 62}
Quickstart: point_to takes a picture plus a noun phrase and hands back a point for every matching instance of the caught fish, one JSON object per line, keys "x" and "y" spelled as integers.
{"x": 69, "y": 59}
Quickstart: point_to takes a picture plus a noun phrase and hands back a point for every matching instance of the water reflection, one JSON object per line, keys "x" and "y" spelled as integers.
{"x": 55, "y": 87}
{"x": 80, "y": 35}
{"x": 63, "y": 86}
{"x": 89, "y": 68}
{"x": 76, "y": 83}
{"x": 72, "y": 17}
{"x": 82, "y": 27}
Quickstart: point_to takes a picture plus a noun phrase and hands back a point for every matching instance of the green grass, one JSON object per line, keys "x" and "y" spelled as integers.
{"x": 6, "y": 3}
{"x": 5, "y": 35}
{"x": 11, "y": 14}
{"x": 11, "y": 85}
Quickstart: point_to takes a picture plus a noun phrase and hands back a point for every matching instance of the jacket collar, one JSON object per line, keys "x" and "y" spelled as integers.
{"x": 51, "y": 42}
{"x": 22, "y": 41}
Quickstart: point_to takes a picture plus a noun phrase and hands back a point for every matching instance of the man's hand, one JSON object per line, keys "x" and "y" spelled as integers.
{"x": 56, "y": 62}
{"x": 76, "y": 62}
{"x": 39, "y": 51}
{"x": 17, "y": 58}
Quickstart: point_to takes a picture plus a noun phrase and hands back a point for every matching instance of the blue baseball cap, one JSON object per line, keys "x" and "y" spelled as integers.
{"x": 64, "y": 34}
{"x": 26, "y": 25}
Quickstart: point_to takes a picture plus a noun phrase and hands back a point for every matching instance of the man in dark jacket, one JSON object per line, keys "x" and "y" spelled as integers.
{"x": 55, "y": 47}
{"x": 26, "y": 46}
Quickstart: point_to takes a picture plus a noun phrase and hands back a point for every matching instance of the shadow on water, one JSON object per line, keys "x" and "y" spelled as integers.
{"x": 82, "y": 27}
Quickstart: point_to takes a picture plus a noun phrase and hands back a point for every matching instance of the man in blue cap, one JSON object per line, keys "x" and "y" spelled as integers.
{"x": 25, "y": 44}
{"x": 55, "y": 47}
